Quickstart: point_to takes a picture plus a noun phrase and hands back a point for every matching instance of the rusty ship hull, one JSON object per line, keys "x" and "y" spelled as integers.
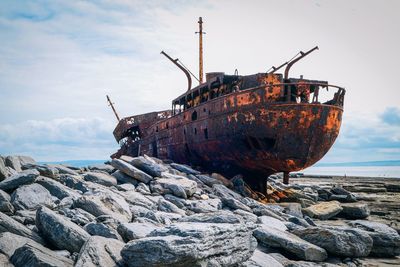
{"x": 255, "y": 131}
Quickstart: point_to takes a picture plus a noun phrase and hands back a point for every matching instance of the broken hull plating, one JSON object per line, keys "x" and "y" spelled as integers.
{"x": 244, "y": 133}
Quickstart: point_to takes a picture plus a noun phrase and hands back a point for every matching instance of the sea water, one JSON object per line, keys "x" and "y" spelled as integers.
{"x": 370, "y": 171}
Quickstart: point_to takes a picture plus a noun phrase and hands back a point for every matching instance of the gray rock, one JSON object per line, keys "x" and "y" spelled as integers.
{"x": 386, "y": 240}
{"x": 5, "y": 262}
{"x": 164, "y": 205}
{"x": 292, "y": 208}
{"x": 63, "y": 169}
{"x": 146, "y": 164}
{"x": 222, "y": 216}
{"x": 126, "y": 187}
{"x": 179, "y": 202}
{"x": 100, "y": 178}
{"x": 3, "y": 170}
{"x": 60, "y": 232}
{"x": 343, "y": 198}
{"x": 138, "y": 211}
{"x": 105, "y": 204}
{"x": 124, "y": 178}
{"x": 342, "y": 242}
{"x": 192, "y": 244}
{"x": 234, "y": 204}
{"x": 184, "y": 168}
{"x": 136, "y": 198}
{"x": 7, "y": 224}
{"x": 272, "y": 222}
{"x": 207, "y": 180}
{"x": 273, "y": 237}
{"x": 78, "y": 216}
{"x": 44, "y": 170}
{"x": 31, "y": 197}
{"x": 247, "y": 216}
{"x": 9, "y": 242}
{"x": 100, "y": 251}
{"x": 56, "y": 189}
{"x": 176, "y": 185}
{"x": 203, "y": 206}
{"x": 223, "y": 192}
{"x": 130, "y": 170}
{"x": 28, "y": 216}
{"x": 102, "y": 167}
{"x": 74, "y": 182}
{"x": 32, "y": 254}
{"x": 261, "y": 259}
{"x": 16, "y": 180}
{"x": 323, "y": 210}
{"x": 143, "y": 189}
{"x": 354, "y": 211}
{"x": 13, "y": 162}
{"x": 5, "y": 203}
{"x": 102, "y": 229}
{"x": 163, "y": 217}
{"x": 135, "y": 230}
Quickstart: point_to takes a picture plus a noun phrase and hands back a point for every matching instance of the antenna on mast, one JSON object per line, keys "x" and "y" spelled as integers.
{"x": 112, "y": 106}
{"x": 200, "y": 32}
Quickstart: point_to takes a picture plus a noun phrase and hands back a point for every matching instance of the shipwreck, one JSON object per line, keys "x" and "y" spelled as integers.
{"x": 255, "y": 125}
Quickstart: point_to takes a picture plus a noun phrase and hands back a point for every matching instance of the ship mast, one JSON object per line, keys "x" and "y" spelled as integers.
{"x": 112, "y": 106}
{"x": 200, "y": 32}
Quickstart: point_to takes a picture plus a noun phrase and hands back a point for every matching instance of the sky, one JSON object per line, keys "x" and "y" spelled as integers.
{"x": 59, "y": 60}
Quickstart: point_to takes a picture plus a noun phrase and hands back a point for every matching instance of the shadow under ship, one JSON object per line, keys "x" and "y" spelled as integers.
{"x": 255, "y": 125}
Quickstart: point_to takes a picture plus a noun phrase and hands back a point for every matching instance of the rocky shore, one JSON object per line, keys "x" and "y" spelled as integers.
{"x": 146, "y": 212}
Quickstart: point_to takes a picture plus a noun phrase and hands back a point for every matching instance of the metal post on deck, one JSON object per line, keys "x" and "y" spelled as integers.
{"x": 285, "y": 177}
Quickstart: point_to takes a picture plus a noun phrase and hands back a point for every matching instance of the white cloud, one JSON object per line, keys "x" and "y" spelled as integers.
{"x": 59, "y": 139}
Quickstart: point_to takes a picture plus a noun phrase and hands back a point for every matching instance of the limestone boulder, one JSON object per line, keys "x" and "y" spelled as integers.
{"x": 221, "y": 216}
{"x": 9, "y": 242}
{"x": 32, "y": 254}
{"x": 105, "y": 204}
{"x": 386, "y": 240}
{"x": 131, "y": 171}
{"x": 56, "y": 188}
{"x": 345, "y": 242}
{"x": 146, "y": 164}
{"x": 135, "y": 230}
{"x": 272, "y": 222}
{"x": 354, "y": 211}
{"x": 234, "y": 204}
{"x": 59, "y": 231}
{"x": 178, "y": 186}
{"x": 14, "y": 181}
{"x": 44, "y": 170}
{"x": 184, "y": 168}
{"x": 102, "y": 229}
{"x": 204, "y": 206}
{"x": 3, "y": 170}
{"x": 323, "y": 210}
{"x": 192, "y": 244}
{"x": 100, "y": 251}
{"x": 124, "y": 178}
{"x": 31, "y": 197}
{"x": 77, "y": 215}
{"x": 135, "y": 198}
{"x": 272, "y": 237}
{"x": 207, "y": 180}
{"x": 8, "y": 224}
{"x": 5, "y": 203}
{"x": 100, "y": 178}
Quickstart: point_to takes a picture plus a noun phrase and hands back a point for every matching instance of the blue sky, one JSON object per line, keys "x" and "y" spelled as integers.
{"x": 58, "y": 60}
